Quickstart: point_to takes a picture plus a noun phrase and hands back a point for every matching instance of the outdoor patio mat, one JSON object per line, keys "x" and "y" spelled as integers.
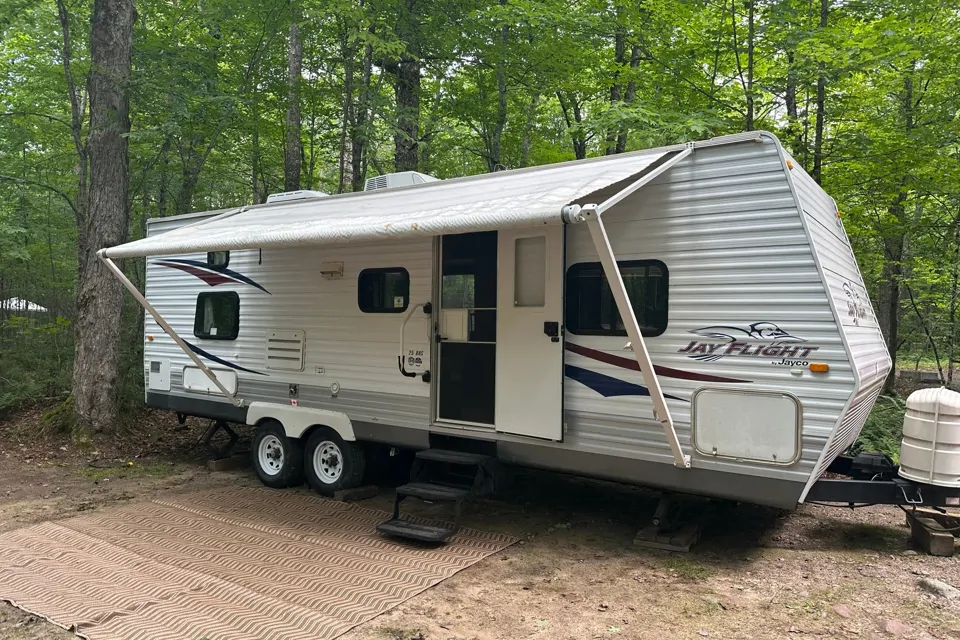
{"x": 224, "y": 565}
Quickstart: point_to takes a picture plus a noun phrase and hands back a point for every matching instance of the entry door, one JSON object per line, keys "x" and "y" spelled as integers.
{"x": 529, "y": 341}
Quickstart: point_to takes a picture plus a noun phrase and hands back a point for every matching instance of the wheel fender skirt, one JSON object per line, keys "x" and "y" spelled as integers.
{"x": 296, "y": 420}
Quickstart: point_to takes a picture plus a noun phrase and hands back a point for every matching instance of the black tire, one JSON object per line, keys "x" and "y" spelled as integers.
{"x": 331, "y": 463}
{"x": 287, "y": 471}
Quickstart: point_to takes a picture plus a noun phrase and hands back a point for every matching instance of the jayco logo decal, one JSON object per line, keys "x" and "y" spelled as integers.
{"x": 758, "y": 340}
{"x": 856, "y": 309}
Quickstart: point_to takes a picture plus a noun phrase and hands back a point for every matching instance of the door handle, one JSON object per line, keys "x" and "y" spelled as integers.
{"x": 552, "y": 331}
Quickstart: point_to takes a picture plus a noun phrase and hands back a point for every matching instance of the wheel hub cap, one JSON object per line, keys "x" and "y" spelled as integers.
{"x": 328, "y": 462}
{"x": 270, "y": 455}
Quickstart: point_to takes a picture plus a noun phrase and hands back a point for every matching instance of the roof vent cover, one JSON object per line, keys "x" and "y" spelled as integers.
{"x": 401, "y": 179}
{"x": 287, "y": 196}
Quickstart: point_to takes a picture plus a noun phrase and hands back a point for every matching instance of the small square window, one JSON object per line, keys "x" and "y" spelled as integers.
{"x": 217, "y": 316}
{"x": 383, "y": 290}
{"x": 218, "y": 258}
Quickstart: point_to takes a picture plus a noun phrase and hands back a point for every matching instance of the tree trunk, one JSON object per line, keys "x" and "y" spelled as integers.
{"x": 406, "y": 155}
{"x": 162, "y": 192}
{"x": 616, "y": 88}
{"x": 751, "y": 28}
{"x": 574, "y": 125}
{"x": 99, "y": 294}
{"x": 817, "y": 172}
{"x": 527, "y": 141}
{"x": 952, "y": 316}
{"x": 630, "y": 96}
{"x": 347, "y": 115}
{"x": 293, "y": 147}
{"x": 358, "y": 133}
{"x": 189, "y": 180}
{"x": 790, "y": 103}
{"x": 255, "y": 148}
{"x": 406, "y": 140}
{"x": 890, "y": 300}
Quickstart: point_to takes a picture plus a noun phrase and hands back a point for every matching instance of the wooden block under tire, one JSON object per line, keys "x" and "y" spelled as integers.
{"x": 229, "y": 464}
{"x": 931, "y": 537}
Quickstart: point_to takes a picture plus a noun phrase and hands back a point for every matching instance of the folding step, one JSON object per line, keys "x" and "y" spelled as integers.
{"x": 433, "y": 492}
{"x": 403, "y": 529}
{"x": 440, "y": 475}
{"x": 453, "y": 457}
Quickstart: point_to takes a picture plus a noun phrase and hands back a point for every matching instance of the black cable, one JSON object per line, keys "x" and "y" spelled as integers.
{"x": 842, "y": 506}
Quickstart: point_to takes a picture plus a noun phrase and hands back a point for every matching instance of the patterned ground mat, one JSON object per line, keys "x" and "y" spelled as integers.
{"x": 224, "y": 565}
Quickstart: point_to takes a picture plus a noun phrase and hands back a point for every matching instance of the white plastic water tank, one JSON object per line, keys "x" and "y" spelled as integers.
{"x": 930, "y": 451}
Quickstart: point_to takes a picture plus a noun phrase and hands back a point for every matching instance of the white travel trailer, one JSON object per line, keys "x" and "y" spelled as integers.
{"x": 690, "y": 318}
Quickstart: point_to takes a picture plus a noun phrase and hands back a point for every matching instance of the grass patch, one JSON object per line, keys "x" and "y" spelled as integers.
{"x": 860, "y": 537}
{"x": 685, "y": 567}
{"x": 396, "y": 633}
{"x": 129, "y": 470}
{"x": 883, "y": 429}
{"x": 817, "y": 601}
{"x": 698, "y": 607}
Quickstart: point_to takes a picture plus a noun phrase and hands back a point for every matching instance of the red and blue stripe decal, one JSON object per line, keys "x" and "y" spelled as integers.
{"x": 209, "y": 356}
{"x": 610, "y": 387}
{"x": 210, "y": 274}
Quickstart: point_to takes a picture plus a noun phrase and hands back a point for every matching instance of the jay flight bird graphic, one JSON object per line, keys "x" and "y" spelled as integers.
{"x": 755, "y": 331}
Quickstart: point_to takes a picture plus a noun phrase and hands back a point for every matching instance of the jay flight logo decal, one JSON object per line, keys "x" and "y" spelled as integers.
{"x": 758, "y": 340}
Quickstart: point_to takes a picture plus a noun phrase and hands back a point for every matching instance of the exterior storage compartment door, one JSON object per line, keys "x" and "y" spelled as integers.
{"x": 530, "y": 333}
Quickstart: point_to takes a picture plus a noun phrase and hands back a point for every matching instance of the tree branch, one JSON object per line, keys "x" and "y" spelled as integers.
{"x": 75, "y": 113}
{"x": 926, "y": 330}
{"x": 43, "y": 185}
{"x": 45, "y": 116}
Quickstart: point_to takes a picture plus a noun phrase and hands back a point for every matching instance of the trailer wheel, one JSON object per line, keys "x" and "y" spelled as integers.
{"x": 331, "y": 463}
{"x": 277, "y": 459}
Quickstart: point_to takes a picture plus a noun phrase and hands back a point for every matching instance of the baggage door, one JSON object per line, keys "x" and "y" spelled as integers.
{"x": 529, "y": 380}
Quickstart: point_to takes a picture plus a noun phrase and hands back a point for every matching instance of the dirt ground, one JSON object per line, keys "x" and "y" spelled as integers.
{"x": 757, "y": 573}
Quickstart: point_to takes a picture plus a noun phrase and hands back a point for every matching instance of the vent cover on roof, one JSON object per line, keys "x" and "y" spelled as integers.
{"x": 302, "y": 194}
{"x": 401, "y": 179}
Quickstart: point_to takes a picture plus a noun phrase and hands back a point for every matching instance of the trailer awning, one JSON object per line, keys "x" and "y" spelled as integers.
{"x": 525, "y": 197}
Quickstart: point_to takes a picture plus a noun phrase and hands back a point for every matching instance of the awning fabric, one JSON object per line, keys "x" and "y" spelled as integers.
{"x": 525, "y": 197}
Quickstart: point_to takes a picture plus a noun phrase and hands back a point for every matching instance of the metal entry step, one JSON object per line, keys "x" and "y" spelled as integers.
{"x": 453, "y": 457}
{"x": 433, "y": 492}
{"x": 400, "y": 528}
{"x": 441, "y": 475}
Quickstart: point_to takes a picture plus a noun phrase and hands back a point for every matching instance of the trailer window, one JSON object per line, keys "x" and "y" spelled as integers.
{"x": 591, "y": 309}
{"x": 218, "y": 258}
{"x": 217, "y": 316}
{"x": 383, "y": 290}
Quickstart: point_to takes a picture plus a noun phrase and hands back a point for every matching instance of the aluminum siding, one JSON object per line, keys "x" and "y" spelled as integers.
{"x": 727, "y": 226}
{"x": 854, "y": 311}
{"x": 357, "y": 350}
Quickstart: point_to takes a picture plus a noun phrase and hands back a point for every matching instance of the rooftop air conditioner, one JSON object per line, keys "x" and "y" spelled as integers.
{"x": 401, "y": 179}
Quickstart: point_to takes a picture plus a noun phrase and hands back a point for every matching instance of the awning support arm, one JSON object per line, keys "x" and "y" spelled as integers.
{"x": 660, "y": 410}
{"x": 644, "y": 179}
{"x": 167, "y": 328}
{"x": 591, "y": 214}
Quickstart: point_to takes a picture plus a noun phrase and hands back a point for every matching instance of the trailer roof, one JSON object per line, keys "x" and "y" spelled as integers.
{"x": 519, "y": 198}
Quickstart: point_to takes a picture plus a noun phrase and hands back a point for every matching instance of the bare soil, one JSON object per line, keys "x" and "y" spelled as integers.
{"x": 757, "y": 573}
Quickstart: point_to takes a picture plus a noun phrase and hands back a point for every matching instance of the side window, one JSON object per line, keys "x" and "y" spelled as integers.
{"x": 218, "y": 258}
{"x": 218, "y": 316}
{"x": 591, "y": 309}
{"x": 458, "y": 291}
{"x": 383, "y": 290}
